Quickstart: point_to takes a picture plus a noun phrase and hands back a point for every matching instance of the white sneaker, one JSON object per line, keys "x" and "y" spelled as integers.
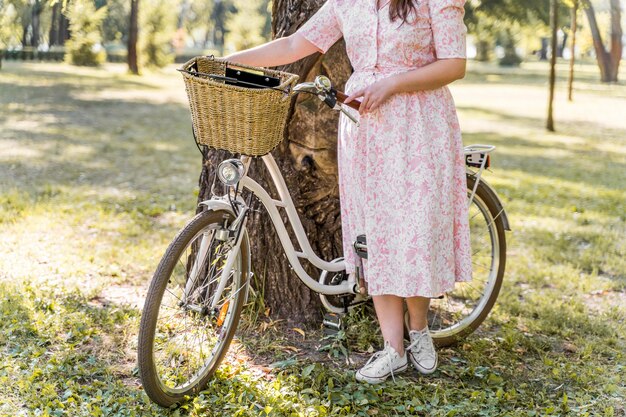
{"x": 381, "y": 365}
{"x": 422, "y": 352}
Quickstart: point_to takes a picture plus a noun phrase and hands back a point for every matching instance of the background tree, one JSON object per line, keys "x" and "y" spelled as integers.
{"x": 574, "y": 6}
{"x": 158, "y": 25}
{"x": 115, "y": 25}
{"x": 307, "y": 158}
{"x": 59, "y": 26}
{"x": 221, "y": 10}
{"x": 508, "y": 42}
{"x": 554, "y": 20}
{"x": 11, "y": 23}
{"x": 199, "y": 23}
{"x": 608, "y": 60}
{"x": 133, "y": 32}
{"x": 32, "y": 31}
{"x": 245, "y": 24}
{"x": 85, "y": 44}
{"x": 500, "y": 22}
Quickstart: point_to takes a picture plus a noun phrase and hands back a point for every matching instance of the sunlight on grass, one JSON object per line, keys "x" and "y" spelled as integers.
{"x": 98, "y": 170}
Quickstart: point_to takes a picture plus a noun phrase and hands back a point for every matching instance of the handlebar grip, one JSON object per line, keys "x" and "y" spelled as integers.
{"x": 355, "y": 104}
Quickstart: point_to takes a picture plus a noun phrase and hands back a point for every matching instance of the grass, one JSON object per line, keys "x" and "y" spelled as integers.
{"x": 98, "y": 171}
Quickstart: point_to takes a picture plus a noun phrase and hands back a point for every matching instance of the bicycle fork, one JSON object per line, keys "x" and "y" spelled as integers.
{"x": 223, "y": 234}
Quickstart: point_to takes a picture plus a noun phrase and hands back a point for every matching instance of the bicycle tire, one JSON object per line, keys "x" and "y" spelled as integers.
{"x": 156, "y": 389}
{"x": 487, "y": 301}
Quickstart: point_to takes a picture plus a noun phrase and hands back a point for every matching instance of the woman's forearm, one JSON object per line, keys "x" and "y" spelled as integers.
{"x": 430, "y": 77}
{"x": 280, "y": 51}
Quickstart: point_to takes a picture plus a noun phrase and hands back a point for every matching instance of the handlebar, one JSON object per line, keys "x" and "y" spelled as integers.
{"x": 355, "y": 104}
{"x": 323, "y": 89}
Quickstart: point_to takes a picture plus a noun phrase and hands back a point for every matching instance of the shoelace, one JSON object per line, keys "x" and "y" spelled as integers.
{"x": 422, "y": 336}
{"x": 378, "y": 355}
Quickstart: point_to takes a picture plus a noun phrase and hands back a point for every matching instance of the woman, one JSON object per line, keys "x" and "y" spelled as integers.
{"x": 401, "y": 171}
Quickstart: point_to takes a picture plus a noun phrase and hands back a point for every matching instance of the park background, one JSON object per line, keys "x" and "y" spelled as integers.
{"x": 98, "y": 170}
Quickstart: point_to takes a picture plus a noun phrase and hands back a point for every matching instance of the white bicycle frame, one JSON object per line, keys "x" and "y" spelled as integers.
{"x": 293, "y": 255}
{"x": 306, "y": 252}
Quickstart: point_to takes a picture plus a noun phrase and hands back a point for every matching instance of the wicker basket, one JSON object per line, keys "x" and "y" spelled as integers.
{"x": 249, "y": 121}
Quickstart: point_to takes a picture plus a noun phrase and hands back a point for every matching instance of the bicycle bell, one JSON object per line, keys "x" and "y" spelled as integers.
{"x": 322, "y": 83}
{"x": 230, "y": 171}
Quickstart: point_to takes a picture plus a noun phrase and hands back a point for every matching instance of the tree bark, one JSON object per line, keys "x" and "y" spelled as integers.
{"x": 307, "y": 159}
{"x": 133, "y": 33}
{"x": 554, "y": 18}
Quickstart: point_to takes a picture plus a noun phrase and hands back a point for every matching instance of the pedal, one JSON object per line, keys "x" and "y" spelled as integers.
{"x": 332, "y": 324}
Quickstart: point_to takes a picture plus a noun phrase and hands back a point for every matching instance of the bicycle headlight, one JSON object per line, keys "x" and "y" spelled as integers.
{"x": 230, "y": 171}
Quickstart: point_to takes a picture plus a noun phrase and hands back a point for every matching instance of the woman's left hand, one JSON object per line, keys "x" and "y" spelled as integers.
{"x": 374, "y": 95}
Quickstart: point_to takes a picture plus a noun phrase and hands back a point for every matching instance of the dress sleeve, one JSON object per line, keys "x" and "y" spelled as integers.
{"x": 322, "y": 29}
{"x": 449, "y": 31}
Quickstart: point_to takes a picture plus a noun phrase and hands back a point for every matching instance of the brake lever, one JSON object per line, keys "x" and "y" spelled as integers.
{"x": 347, "y": 113}
{"x": 332, "y": 101}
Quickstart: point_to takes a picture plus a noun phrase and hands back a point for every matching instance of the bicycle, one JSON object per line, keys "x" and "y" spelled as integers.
{"x": 200, "y": 286}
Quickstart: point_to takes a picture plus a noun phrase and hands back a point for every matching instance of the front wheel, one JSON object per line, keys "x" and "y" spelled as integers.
{"x": 192, "y": 308}
{"x": 461, "y": 311}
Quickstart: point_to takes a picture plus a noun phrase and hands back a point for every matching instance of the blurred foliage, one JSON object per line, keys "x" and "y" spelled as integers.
{"x": 85, "y": 46}
{"x": 198, "y": 21}
{"x": 10, "y": 23}
{"x": 504, "y": 30}
{"x": 115, "y": 25}
{"x": 156, "y": 25}
{"x": 523, "y": 12}
{"x": 246, "y": 24}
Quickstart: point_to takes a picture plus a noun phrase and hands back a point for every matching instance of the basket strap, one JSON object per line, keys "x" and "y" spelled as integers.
{"x": 231, "y": 80}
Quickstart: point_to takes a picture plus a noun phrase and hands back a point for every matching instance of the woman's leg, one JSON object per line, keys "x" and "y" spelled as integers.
{"x": 390, "y": 312}
{"x": 418, "y": 312}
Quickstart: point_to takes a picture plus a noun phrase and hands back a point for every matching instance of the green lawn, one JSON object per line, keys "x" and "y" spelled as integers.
{"x": 98, "y": 170}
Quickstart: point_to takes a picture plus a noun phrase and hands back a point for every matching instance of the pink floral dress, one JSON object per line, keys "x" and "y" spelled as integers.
{"x": 401, "y": 170}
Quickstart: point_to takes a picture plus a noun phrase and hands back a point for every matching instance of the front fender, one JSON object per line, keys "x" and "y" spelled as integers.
{"x": 217, "y": 204}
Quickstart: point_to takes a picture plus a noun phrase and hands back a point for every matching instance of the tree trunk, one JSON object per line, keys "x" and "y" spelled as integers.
{"x": 25, "y": 39}
{"x": 554, "y": 16}
{"x": 483, "y": 50}
{"x": 616, "y": 39}
{"x": 308, "y": 162}
{"x": 53, "y": 36}
{"x": 36, "y": 10}
{"x": 133, "y": 32}
{"x": 218, "y": 17}
{"x": 543, "y": 52}
{"x": 64, "y": 25}
{"x": 608, "y": 62}
{"x": 572, "y": 61}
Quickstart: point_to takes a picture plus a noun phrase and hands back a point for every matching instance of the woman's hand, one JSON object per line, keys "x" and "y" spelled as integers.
{"x": 374, "y": 95}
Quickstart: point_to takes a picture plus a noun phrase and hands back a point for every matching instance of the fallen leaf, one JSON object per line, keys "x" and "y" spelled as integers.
{"x": 570, "y": 347}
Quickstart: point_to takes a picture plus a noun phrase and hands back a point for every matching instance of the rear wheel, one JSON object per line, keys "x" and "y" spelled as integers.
{"x": 461, "y": 311}
{"x": 192, "y": 308}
